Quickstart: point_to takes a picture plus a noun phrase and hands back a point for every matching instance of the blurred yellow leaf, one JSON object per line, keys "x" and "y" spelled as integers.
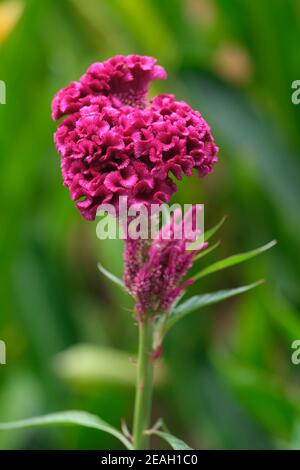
{"x": 86, "y": 365}
{"x": 10, "y": 13}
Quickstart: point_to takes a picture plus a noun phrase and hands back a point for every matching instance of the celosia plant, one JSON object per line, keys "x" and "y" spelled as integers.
{"x": 113, "y": 143}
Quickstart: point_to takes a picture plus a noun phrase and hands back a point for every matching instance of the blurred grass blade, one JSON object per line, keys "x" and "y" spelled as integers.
{"x": 262, "y": 392}
{"x": 245, "y": 130}
{"x": 67, "y": 418}
{"x": 207, "y": 251}
{"x": 111, "y": 276}
{"x": 232, "y": 260}
{"x": 199, "y": 301}
{"x": 209, "y": 233}
{"x": 174, "y": 442}
{"x": 152, "y": 35}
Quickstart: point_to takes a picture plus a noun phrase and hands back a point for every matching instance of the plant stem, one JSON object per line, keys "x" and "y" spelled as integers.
{"x": 144, "y": 384}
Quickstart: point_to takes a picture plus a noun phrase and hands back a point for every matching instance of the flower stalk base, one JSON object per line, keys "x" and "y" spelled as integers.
{"x": 144, "y": 385}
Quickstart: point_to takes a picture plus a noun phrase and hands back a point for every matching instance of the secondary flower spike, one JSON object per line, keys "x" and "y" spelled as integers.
{"x": 113, "y": 143}
{"x": 153, "y": 274}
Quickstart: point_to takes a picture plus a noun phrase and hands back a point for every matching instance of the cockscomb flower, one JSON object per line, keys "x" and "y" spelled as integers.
{"x": 154, "y": 270}
{"x": 111, "y": 145}
{"x": 99, "y": 162}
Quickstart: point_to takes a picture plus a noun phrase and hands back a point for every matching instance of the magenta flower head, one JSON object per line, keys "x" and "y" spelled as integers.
{"x": 113, "y": 143}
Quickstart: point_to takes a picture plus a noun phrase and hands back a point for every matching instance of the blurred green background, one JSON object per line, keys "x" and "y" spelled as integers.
{"x": 227, "y": 381}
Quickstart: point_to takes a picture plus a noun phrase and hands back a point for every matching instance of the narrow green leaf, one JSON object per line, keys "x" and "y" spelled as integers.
{"x": 232, "y": 260}
{"x": 67, "y": 418}
{"x": 174, "y": 442}
{"x": 209, "y": 233}
{"x": 206, "y": 251}
{"x": 111, "y": 276}
{"x": 199, "y": 301}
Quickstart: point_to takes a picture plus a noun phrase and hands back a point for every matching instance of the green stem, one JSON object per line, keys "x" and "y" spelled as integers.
{"x": 144, "y": 384}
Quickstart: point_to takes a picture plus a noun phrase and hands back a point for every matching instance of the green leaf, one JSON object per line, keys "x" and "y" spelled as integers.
{"x": 232, "y": 260}
{"x": 175, "y": 443}
{"x": 111, "y": 276}
{"x": 67, "y": 418}
{"x": 206, "y": 251}
{"x": 199, "y": 301}
{"x": 209, "y": 233}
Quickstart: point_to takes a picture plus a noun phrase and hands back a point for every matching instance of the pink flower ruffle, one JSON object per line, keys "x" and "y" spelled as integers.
{"x": 112, "y": 145}
{"x": 125, "y": 79}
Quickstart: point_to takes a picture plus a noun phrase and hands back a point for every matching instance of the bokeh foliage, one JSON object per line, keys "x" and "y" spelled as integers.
{"x": 227, "y": 380}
